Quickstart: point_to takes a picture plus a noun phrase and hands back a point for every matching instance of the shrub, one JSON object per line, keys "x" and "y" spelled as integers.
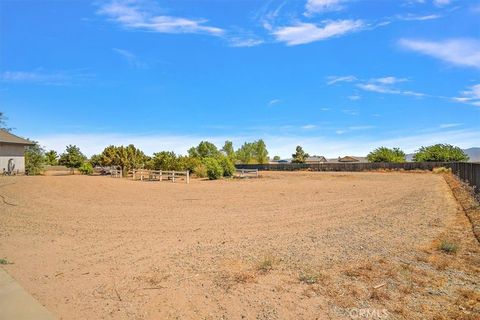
{"x": 86, "y": 168}
{"x": 200, "y": 170}
{"x": 266, "y": 264}
{"x": 442, "y": 170}
{"x": 448, "y": 247}
{"x": 227, "y": 166}
{"x": 214, "y": 169}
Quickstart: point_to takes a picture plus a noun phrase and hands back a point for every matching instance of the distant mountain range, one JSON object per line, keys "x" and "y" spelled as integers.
{"x": 473, "y": 154}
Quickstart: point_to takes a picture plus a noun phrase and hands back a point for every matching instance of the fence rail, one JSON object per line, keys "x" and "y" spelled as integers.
{"x": 159, "y": 175}
{"x": 466, "y": 171}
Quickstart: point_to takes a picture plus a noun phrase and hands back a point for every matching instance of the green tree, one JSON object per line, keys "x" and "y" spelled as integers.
{"x": 203, "y": 150}
{"x": 51, "y": 158}
{"x": 165, "y": 160}
{"x": 299, "y": 156}
{"x": 228, "y": 150}
{"x": 127, "y": 158}
{"x": 72, "y": 157}
{"x": 260, "y": 151}
{"x": 34, "y": 159}
{"x": 276, "y": 158}
{"x": 227, "y": 166}
{"x": 86, "y": 168}
{"x": 383, "y": 154}
{"x": 95, "y": 160}
{"x": 3, "y": 122}
{"x": 440, "y": 153}
{"x": 245, "y": 153}
{"x": 214, "y": 169}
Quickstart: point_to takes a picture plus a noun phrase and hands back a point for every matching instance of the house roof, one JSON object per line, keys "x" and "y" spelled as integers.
{"x": 316, "y": 159}
{"x": 7, "y": 137}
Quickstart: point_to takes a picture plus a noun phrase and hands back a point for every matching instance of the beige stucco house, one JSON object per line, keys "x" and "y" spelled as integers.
{"x": 12, "y": 152}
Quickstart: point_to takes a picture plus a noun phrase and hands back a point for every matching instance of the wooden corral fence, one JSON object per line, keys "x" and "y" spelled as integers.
{"x": 244, "y": 173}
{"x": 160, "y": 175}
{"x": 116, "y": 173}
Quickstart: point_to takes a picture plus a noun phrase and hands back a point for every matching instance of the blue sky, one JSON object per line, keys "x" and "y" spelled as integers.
{"x": 335, "y": 76}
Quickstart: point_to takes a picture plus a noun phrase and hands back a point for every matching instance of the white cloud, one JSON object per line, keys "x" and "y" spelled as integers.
{"x": 413, "y": 17}
{"x": 389, "y": 80}
{"x": 240, "y": 42}
{"x": 463, "y": 52}
{"x": 380, "y": 88}
{"x": 309, "y": 126}
{"x": 131, "y": 58}
{"x": 335, "y": 79}
{"x": 302, "y": 33}
{"x": 131, "y": 15}
{"x": 274, "y": 102}
{"x": 441, "y": 3}
{"x": 470, "y": 96}
{"x": 354, "y": 97}
{"x": 449, "y": 125}
{"x": 319, "y": 6}
{"x": 41, "y": 77}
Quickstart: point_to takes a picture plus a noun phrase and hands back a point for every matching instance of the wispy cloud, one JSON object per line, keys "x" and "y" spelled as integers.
{"x": 319, "y": 6}
{"x": 354, "y": 97}
{"x": 470, "y": 96}
{"x": 462, "y": 52}
{"x": 381, "y": 88}
{"x": 131, "y": 58}
{"x": 441, "y": 3}
{"x": 449, "y": 125}
{"x": 42, "y": 77}
{"x": 415, "y": 17}
{"x": 302, "y": 33}
{"x": 274, "y": 102}
{"x": 389, "y": 80}
{"x": 334, "y": 79}
{"x": 130, "y": 14}
{"x": 309, "y": 126}
{"x": 245, "y": 42}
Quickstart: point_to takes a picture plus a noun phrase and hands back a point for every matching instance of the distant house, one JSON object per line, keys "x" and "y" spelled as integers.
{"x": 349, "y": 159}
{"x": 12, "y": 152}
{"x": 315, "y": 160}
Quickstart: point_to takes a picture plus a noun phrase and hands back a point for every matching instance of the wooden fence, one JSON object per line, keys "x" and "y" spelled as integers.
{"x": 244, "y": 173}
{"x": 116, "y": 173}
{"x": 159, "y": 175}
{"x": 335, "y": 166}
{"x": 466, "y": 171}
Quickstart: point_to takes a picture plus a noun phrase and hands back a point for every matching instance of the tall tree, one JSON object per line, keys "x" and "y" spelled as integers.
{"x": 441, "y": 153}
{"x": 51, "y": 158}
{"x": 127, "y": 158}
{"x": 204, "y": 149}
{"x": 34, "y": 159}
{"x": 245, "y": 153}
{"x": 384, "y": 154}
{"x": 72, "y": 157}
{"x": 3, "y": 122}
{"x": 165, "y": 160}
{"x": 261, "y": 153}
{"x": 228, "y": 150}
{"x": 299, "y": 156}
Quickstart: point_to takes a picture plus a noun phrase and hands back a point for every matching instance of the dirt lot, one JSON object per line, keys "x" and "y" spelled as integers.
{"x": 285, "y": 246}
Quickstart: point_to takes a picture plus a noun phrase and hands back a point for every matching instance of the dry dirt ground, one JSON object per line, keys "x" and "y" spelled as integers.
{"x": 300, "y": 245}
